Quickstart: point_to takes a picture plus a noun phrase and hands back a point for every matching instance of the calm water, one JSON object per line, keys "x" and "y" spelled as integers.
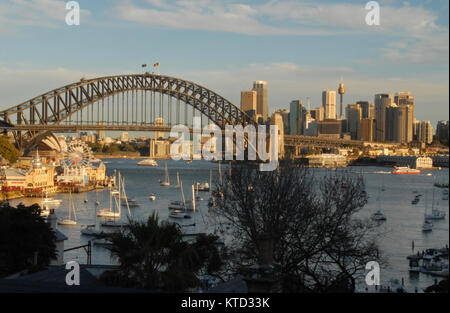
{"x": 403, "y": 225}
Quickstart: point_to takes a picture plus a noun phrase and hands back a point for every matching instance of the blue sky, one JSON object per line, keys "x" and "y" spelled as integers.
{"x": 299, "y": 47}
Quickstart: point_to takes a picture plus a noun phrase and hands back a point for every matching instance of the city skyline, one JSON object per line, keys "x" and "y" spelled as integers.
{"x": 283, "y": 43}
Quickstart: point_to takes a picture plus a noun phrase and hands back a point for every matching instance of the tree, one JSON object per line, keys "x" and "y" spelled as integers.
{"x": 24, "y": 234}
{"x": 316, "y": 242}
{"x": 7, "y": 150}
{"x": 152, "y": 255}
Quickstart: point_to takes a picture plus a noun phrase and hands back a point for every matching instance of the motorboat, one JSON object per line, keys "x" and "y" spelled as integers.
{"x": 147, "y": 162}
{"x": 152, "y": 197}
{"x": 430, "y": 254}
{"x": 427, "y": 226}
{"x": 405, "y": 170}
{"x": 86, "y": 200}
{"x": 90, "y": 230}
{"x": 50, "y": 201}
{"x": 202, "y": 186}
{"x": 378, "y": 216}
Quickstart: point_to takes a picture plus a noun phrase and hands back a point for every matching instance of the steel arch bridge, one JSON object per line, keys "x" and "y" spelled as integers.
{"x": 131, "y": 103}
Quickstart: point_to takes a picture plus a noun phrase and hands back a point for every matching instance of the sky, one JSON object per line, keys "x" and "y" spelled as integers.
{"x": 299, "y": 47}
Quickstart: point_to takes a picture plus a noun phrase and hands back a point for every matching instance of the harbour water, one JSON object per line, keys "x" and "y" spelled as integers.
{"x": 403, "y": 224}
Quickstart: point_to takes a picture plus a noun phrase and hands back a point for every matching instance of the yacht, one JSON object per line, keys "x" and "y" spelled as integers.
{"x": 90, "y": 230}
{"x": 179, "y": 214}
{"x": 427, "y": 226}
{"x": 378, "y": 216}
{"x": 405, "y": 170}
{"x": 113, "y": 223}
{"x": 67, "y": 220}
{"x": 435, "y": 215}
{"x": 50, "y": 201}
{"x": 165, "y": 182}
{"x": 202, "y": 186}
{"x": 147, "y": 162}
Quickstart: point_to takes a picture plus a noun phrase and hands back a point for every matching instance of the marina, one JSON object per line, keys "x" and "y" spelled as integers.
{"x": 403, "y": 222}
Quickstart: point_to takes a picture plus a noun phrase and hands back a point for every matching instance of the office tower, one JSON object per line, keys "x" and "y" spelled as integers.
{"x": 366, "y": 129}
{"x": 416, "y": 129}
{"x": 261, "y": 98}
{"x": 426, "y": 132}
{"x": 317, "y": 113}
{"x": 405, "y": 99}
{"x": 329, "y": 103}
{"x": 396, "y": 121}
{"x": 296, "y": 117}
{"x": 248, "y": 102}
{"x": 329, "y": 128}
{"x": 354, "y": 115}
{"x": 341, "y": 91}
{"x": 367, "y": 109}
{"x": 382, "y": 101}
{"x": 442, "y": 131}
{"x": 285, "y": 114}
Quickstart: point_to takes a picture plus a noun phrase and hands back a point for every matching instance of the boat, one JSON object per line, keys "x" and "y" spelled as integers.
{"x": 165, "y": 182}
{"x": 50, "y": 201}
{"x": 152, "y": 197}
{"x": 97, "y": 202}
{"x": 109, "y": 212}
{"x": 179, "y": 214}
{"x": 45, "y": 211}
{"x": 147, "y": 162}
{"x": 90, "y": 230}
{"x": 113, "y": 223}
{"x": 435, "y": 214}
{"x": 378, "y": 216}
{"x": 405, "y": 170}
{"x": 427, "y": 226}
{"x": 177, "y": 186}
{"x": 430, "y": 254}
{"x": 67, "y": 220}
{"x": 86, "y": 200}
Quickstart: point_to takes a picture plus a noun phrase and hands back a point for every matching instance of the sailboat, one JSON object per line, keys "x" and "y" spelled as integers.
{"x": 50, "y": 201}
{"x": 179, "y": 207}
{"x": 109, "y": 212}
{"x": 121, "y": 191}
{"x": 67, "y": 220}
{"x": 435, "y": 213}
{"x": 378, "y": 215}
{"x": 166, "y": 182}
{"x": 177, "y": 186}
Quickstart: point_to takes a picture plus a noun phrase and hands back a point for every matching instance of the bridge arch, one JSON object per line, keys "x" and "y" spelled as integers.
{"x": 58, "y": 106}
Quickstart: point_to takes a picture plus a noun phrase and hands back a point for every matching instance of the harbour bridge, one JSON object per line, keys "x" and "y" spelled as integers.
{"x": 134, "y": 102}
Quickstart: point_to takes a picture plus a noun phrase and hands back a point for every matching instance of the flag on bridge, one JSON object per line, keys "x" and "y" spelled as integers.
{"x": 156, "y": 64}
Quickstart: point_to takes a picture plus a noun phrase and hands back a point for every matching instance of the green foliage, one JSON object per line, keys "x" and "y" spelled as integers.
{"x": 7, "y": 150}
{"x": 22, "y": 233}
{"x": 152, "y": 255}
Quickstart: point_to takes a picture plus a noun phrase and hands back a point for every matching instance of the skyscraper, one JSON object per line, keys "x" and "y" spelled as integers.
{"x": 329, "y": 103}
{"x": 366, "y": 129}
{"x": 367, "y": 109}
{"x": 261, "y": 98}
{"x": 354, "y": 115}
{"x": 426, "y": 132}
{"x": 248, "y": 102}
{"x": 405, "y": 99}
{"x": 442, "y": 131}
{"x": 317, "y": 113}
{"x": 296, "y": 117}
{"x": 382, "y": 101}
{"x": 396, "y": 120}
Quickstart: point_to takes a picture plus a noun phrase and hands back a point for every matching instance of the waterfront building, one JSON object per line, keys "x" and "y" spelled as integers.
{"x": 327, "y": 160}
{"x": 382, "y": 101}
{"x": 261, "y": 99}
{"x": 39, "y": 179}
{"x": 329, "y": 104}
{"x": 12, "y": 179}
{"x": 413, "y": 161}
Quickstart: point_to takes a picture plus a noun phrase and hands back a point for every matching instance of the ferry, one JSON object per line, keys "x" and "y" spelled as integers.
{"x": 147, "y": 162}
{"x": 405, "y": 170}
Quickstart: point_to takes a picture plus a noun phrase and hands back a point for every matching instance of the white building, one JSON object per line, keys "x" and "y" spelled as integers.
{"x": 329, "y": 103}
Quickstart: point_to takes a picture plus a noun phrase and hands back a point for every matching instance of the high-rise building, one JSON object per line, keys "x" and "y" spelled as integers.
{"x": 367, "y": 109}
{"x": 442, "y": 131}
{"x": 366, "y": 129}
{"x": 329, "y": 104}
{"x": 317, "y": 113}
{"x": 416, "y": 129}
{"x": 296, "y": 117}
{"x": 329, "y": 128}
{"x": 248, "y": 102}
{"x": 382, "y": 101}
{"x": 405, "y": 99}
{"x": 426, "y": 132}
{"x": 277, "y": 119}
{"x": 261, "y": 98}
{"x": 285, "y": 114}
{"x": 396, "y": 121}
{"x": 354, "y": 115}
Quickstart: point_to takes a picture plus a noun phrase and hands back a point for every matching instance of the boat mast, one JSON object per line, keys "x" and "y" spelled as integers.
{"x": 193, "y": 197}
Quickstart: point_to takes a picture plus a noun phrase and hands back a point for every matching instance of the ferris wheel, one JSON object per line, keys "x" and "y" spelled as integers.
{"x": 78, "y": 154}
